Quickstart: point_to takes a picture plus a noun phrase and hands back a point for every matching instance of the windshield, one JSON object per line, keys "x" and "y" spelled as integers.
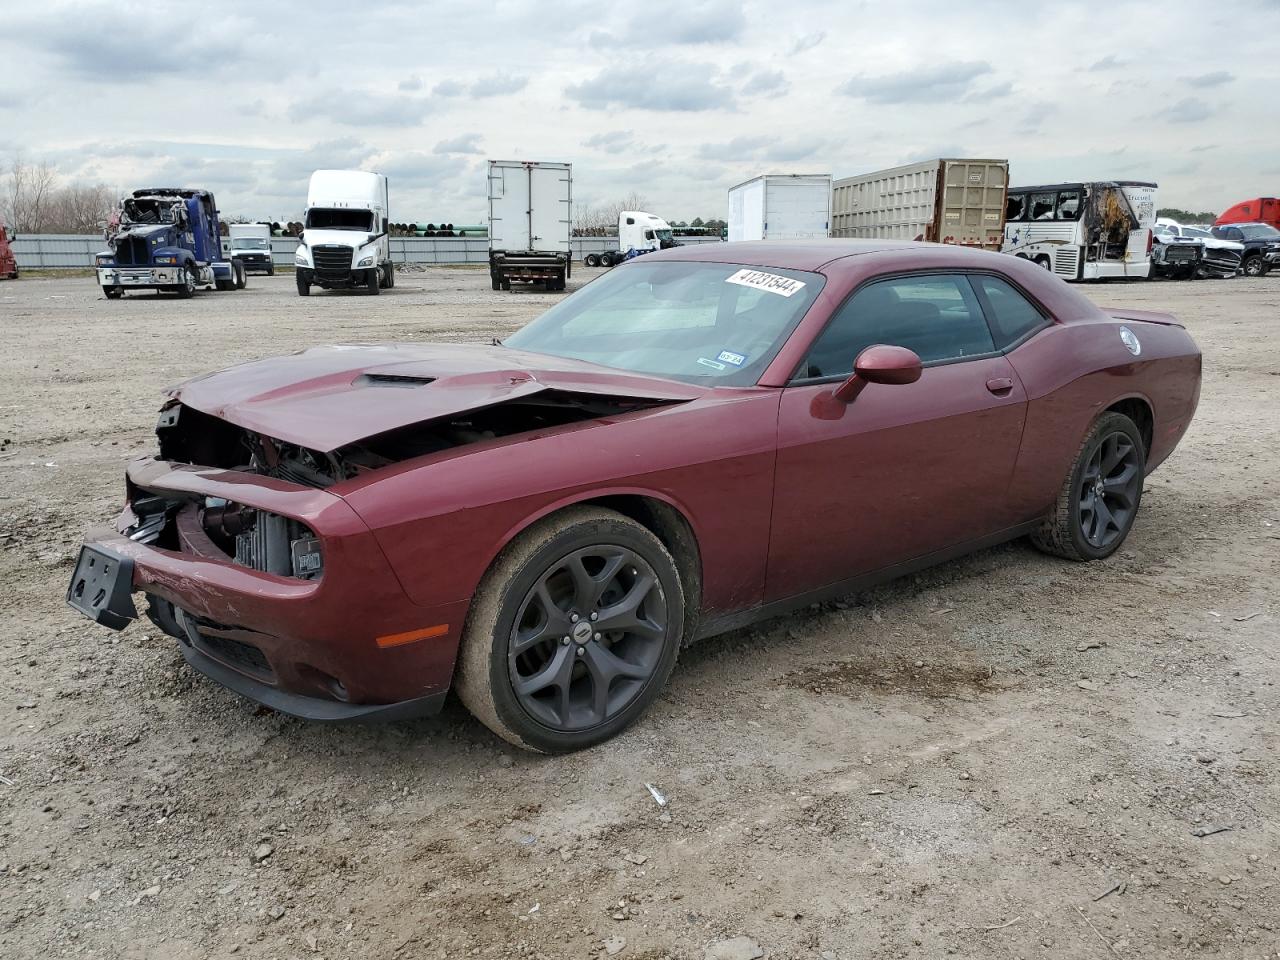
{"x": 663, "y": 234}
{"x": 1259, "y": 231}
{"x": 249, "y": 243}
{"x": 698, "y": 322}
{"x": 324, "y": 218}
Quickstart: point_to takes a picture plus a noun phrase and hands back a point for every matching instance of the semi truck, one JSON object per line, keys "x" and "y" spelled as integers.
{"x": 780, "y": 206}
{"x": 1256, "y": 210}
{"x": 529, "y": 223}
{"x": 166, "y": 239}
{"x": 8, "y": 262}
{"x": 957, "y": 201}
{"x": 638, "y": 233}
{"x": 250, "y": 244}
{"x": 344, "y": 242}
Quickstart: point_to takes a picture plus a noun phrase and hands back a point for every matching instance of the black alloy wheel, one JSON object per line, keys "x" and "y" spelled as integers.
{"x": 1253, "y": 266}
{"x": 587, "y": 638}
{"x": 1109, "y": 489}
{"x": 1099, "y": 500}
{"x": 573, "y": 631}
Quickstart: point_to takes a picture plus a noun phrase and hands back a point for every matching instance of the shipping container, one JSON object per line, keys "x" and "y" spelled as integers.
{"x": 529, "y": 222}
{"x": 941, "y": 201}
{"x": 779, "y": 206}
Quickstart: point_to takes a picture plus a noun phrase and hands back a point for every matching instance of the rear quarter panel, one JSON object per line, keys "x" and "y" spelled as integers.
{"x": 1075, "y": 371}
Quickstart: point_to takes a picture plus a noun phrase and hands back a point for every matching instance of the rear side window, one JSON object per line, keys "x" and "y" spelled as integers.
{"x": 1012, "y": 316}
{"x": 938, "y": 317}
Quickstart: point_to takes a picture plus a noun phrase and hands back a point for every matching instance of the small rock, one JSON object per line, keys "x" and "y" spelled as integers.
{"x": 1205, "y": 758}
{"x": 919, "y": 664}
{"x": 1224, "y": 880}
{"x": 262, "y": 851}
{"x": 95, "y": 895}
{"x": 150, "y": 893}
{"x": 1086, "y": 685}
{"x": 505, "y": 761}
{"x": 619, "y": 915}
{"x": 276, "y": 912}
{"x": 739, "y": 948}
{"x": 638, "y": 859}
{"x": 615, "y": 945}
{"x": 965, "y": 776}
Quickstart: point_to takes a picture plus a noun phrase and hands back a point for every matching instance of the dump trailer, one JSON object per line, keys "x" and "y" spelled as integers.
{"x": 529, "y": 223}
{"x": 958, "y": 201}
{"x": 166, "y": 238}
{"x": 781, "y": 206}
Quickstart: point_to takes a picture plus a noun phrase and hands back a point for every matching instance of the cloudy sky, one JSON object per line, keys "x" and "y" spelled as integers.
{"x": 676, "y": 101}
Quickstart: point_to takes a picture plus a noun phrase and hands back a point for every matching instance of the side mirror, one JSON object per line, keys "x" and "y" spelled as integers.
{"x": 879, "y": 363}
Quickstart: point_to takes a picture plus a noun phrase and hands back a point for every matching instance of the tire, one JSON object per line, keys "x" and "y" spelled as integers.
{"x": 113, "y": 292}
{"x": 1043, "y": 261}
{"x": 1066, "y": 531}
{"x": 373, "y": 282}
{"x": 187, "y": 289}
{"x": 240, "y": 275}
{"x": 494, "y": 282}
{"x": 1253, "y": 266}
{"x": 391, "y": 275}
{"x": 304, "y": 288}
{"x": 606, "y": 259}
{"x": 505, "y": 284}
{"x": 271, "y": 270}
{"x": 591, "y": 260}
{"x": 534, "y": 570}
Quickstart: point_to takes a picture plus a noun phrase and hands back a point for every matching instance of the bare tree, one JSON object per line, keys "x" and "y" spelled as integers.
{"x": 26, "y": 194}
{"x": 78, "y": 208}
{"x": 603, "y": 220}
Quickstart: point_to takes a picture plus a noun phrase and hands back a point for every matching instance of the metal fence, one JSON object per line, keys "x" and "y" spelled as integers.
{"x": 49, "y": 250}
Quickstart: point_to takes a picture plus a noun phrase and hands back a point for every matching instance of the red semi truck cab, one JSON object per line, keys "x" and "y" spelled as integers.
{"x": 8, "y": 263}
{"x": 1256, "y": 210}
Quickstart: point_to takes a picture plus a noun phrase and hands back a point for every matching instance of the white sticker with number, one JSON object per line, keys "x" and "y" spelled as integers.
{"x": 771, "y": 282}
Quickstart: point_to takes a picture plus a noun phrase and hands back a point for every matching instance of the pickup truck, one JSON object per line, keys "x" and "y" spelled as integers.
{"x": 1261, "y": 245}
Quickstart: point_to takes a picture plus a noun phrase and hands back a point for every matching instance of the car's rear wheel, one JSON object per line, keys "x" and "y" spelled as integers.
{"x": 1099, "y": 500}
{"x": 574, "y": 631}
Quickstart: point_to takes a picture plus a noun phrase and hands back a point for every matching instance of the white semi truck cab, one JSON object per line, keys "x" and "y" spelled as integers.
{"x": 638, "y": 232}
{"x": 344, "y": 241}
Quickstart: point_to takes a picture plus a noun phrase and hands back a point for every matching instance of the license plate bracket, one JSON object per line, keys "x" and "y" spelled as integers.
{"x": 101, "y": 587}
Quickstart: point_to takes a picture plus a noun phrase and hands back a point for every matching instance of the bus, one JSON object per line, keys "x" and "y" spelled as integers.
{"x": 1083, "y": 231}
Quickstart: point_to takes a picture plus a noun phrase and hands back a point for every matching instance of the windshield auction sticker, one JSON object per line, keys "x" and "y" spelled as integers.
{"x": 771, "y": 282}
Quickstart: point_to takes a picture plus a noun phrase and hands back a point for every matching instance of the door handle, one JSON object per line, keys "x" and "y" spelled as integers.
{"x": 1000, "y": 386}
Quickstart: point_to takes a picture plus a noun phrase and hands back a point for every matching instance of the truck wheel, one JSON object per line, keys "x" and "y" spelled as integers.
{"x": 1043, "y": 261}
{"x": 494, "y": 282}
{"x": 505, "y": 283}
{"x": 591, "y": 260}
{"x": 391, "y": 275}
{"x": 113, "y": 292}
{"x": 271, "y": 270}
{"x": 188, "y": 287}
{"x": 373, "y": 282}
{"x": 1253, "y": 266}
{"x": 241, "y": 276}
{"x": 606, "y": 259}
{"x": 304, "y": 288}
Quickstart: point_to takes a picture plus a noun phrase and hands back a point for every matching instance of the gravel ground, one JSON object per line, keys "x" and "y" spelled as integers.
{"x": 961, "y": 763}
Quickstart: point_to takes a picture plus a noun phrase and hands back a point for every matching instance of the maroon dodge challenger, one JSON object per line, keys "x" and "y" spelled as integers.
{"x": 701, "y": 438}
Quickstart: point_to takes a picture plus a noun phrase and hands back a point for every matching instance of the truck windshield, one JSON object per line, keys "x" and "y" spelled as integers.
{"x": 697, "y": 322}
{"x": 249, "y": 243}
{"x": 325, "y": 218}
{"x": 663, "y": 234}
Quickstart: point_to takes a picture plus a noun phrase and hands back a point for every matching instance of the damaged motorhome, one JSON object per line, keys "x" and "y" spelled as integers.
{"x": 1083, "y": 231}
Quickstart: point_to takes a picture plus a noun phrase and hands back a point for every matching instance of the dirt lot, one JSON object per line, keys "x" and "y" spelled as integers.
{"x": 961, "y": 763}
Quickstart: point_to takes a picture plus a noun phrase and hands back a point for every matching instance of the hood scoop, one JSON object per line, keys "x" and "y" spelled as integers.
{"x": 391, "y": 380}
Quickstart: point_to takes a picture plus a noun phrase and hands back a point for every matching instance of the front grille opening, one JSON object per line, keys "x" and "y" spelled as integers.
{"x": 236, "y": 654}
{"x": 264, "y": 541}
{"x": 332, "y": 259}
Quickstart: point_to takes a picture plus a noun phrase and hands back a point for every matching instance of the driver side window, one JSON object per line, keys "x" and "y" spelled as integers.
{"x": 938, "y": 317}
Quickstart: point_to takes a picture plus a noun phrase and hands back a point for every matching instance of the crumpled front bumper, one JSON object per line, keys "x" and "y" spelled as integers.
{"x": 346, "y": 645}
{"x": 140, "y": 276}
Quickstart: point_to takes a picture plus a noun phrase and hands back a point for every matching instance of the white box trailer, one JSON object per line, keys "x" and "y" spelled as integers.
{"x": 941, "y": 201}
{"x": 781, "y": 206}
{"x": 530, "y": 206}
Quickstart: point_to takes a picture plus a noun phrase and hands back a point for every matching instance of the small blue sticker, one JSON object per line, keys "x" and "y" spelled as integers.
{"x": 728, "y": 356}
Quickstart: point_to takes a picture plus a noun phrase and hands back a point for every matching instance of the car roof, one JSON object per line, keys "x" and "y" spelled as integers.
{"x": 814, "y": 254}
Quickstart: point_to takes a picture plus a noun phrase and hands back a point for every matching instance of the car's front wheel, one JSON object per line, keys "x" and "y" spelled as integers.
{"x": 1253, "y": 266}
{"x": 573, "y": 632}
{"x": 1099, "y": 500}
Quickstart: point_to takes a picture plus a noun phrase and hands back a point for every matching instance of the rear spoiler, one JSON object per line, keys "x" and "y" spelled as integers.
{"x": 1144, "y": 316}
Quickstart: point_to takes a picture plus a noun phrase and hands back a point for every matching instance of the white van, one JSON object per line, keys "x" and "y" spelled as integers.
{"x": 344, "y": 238}
{"x": 251, "y": 246}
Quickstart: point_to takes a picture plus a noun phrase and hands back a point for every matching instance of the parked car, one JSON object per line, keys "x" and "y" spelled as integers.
{"x": 703, "y": 437}
{"x": 1186, "y": 251}
{"x": 1261, "y": 245}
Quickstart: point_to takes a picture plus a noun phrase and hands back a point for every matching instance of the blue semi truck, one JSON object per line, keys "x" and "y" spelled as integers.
{"x": 166, "y": 238}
